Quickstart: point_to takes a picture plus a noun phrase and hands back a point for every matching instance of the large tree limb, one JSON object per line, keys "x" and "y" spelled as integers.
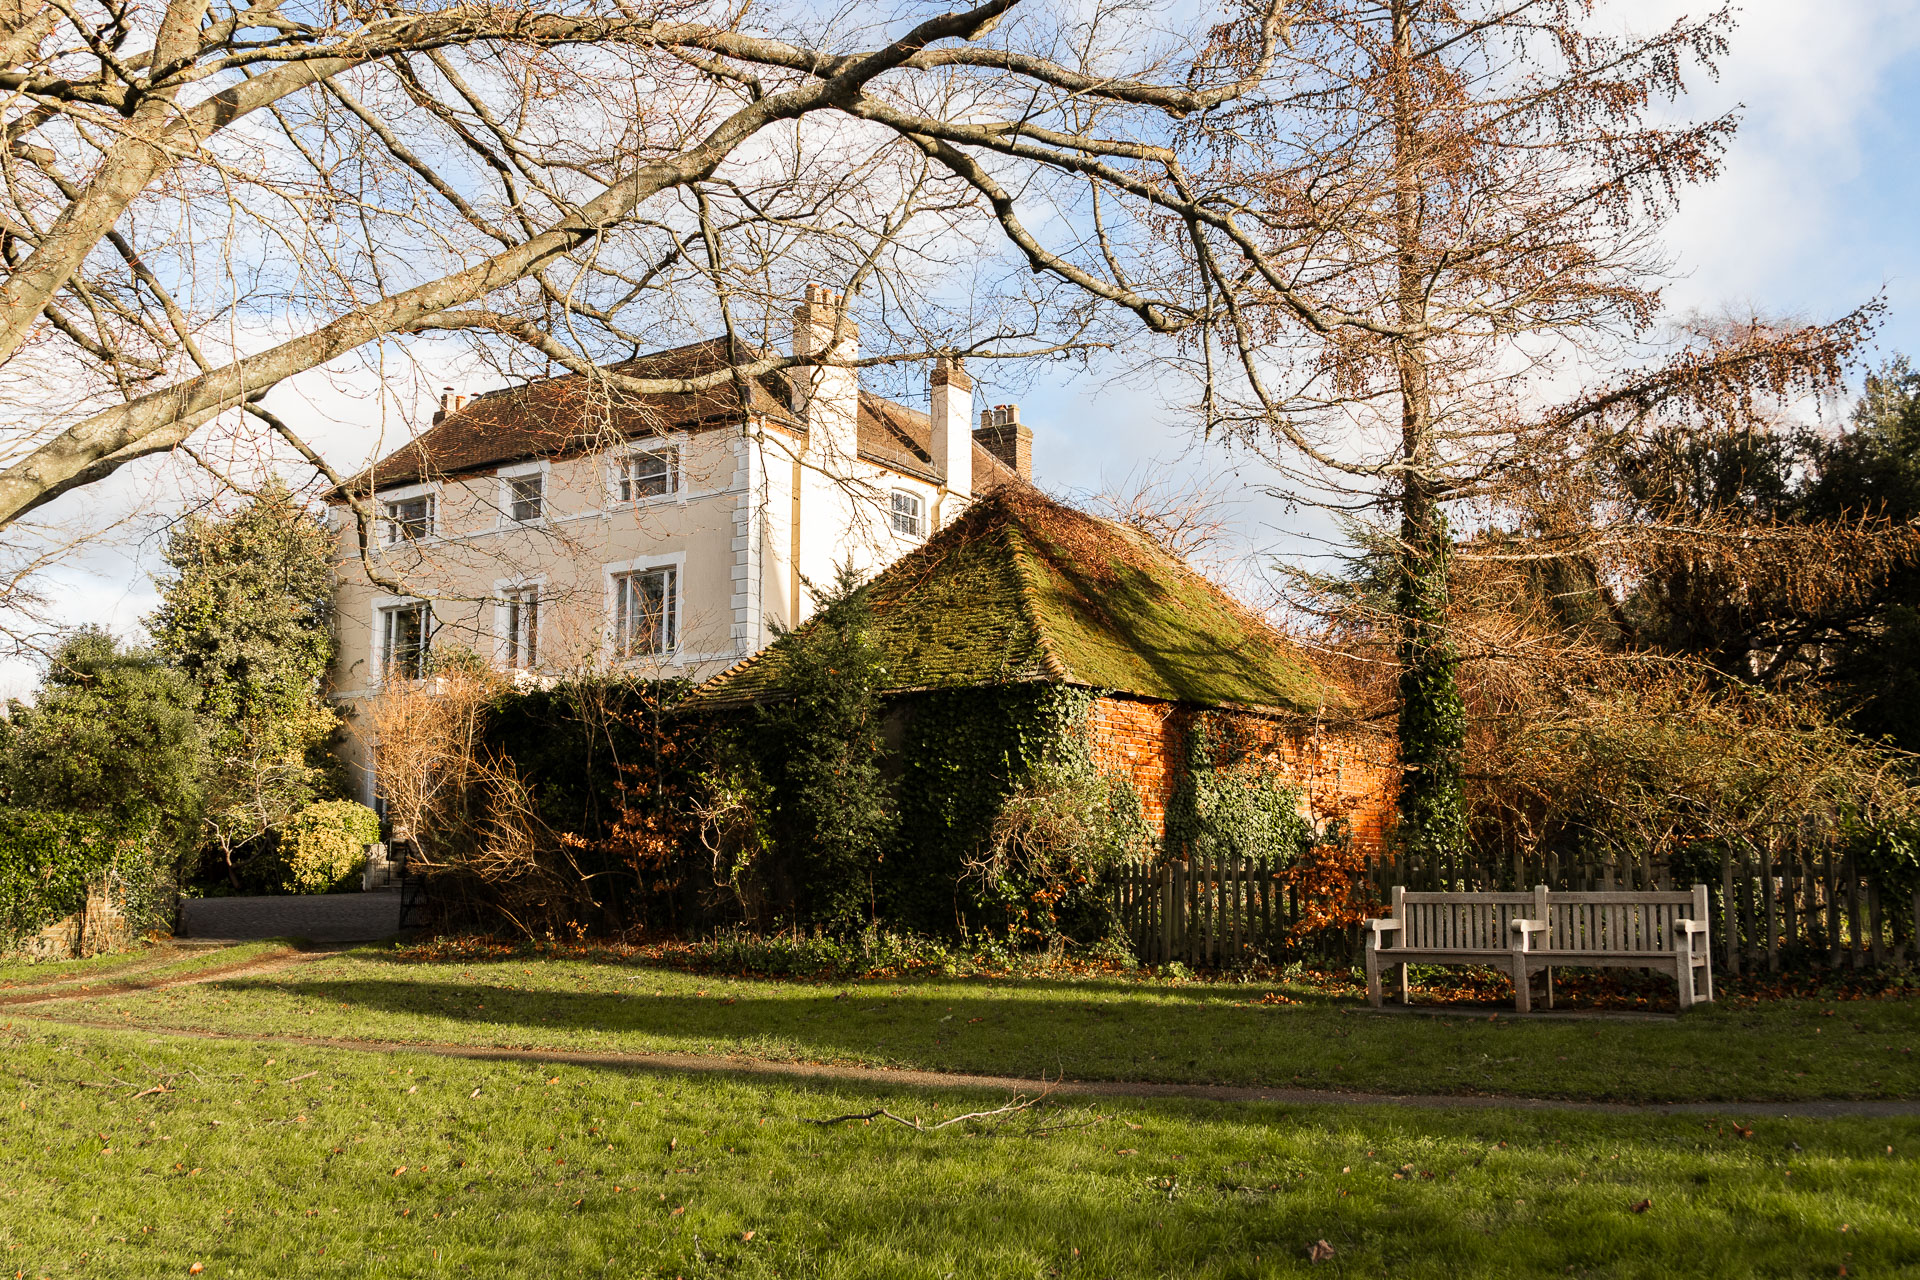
{"x": 154, "y": 422}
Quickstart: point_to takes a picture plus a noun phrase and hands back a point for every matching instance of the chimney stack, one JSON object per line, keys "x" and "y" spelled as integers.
{"x": 827, "y": 399}
{"x": 1002, "y": 434}
{"x": 950, "y": 405}
{"x": 449, "y": 403}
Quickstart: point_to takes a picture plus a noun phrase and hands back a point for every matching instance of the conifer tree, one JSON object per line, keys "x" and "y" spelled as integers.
{"x": 245, "y": 615}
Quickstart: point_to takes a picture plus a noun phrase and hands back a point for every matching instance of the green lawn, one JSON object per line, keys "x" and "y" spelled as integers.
{"x": 1096, "y": 1028}
{"x": 267, "y": 1161}
{"x": 18, "y": 973}
{"x": 147, "y": 964}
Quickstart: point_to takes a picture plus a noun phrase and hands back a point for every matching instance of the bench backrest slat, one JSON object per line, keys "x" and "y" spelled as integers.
{"x": 1616, "y": 921}
{"x": 1611, "y": 921}
{"x": 1459, "y": 921}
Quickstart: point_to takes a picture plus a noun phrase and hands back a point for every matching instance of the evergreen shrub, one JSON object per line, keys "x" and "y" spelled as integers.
{"x": 325, "y": 845}
{"x": 48, "y": 860}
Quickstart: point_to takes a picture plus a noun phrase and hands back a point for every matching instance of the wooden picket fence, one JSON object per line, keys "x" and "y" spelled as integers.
{"x": 1773, "y": 908}
{"x": 1770, "y": 910}
{"x": 1208, "y": 913}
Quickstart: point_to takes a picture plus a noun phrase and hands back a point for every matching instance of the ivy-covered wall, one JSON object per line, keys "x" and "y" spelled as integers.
{"x": 71, "y": 884}
{"x": 959, "y": 753}
{"x": 1347, "y": 774}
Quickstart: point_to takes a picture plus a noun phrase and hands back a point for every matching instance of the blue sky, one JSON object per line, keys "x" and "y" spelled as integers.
{"x": 1818, "y": 210}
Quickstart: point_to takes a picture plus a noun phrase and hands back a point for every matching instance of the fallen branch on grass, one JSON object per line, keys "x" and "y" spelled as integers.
{"x": 1017, "y": 1104}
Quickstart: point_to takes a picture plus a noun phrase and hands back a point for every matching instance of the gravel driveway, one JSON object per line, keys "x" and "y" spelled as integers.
{"x": 332, "y": 917}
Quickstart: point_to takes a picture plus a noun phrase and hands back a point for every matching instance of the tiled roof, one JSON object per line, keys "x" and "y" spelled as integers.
{"x": 1022, "y": 588}
{"x": 558, "y": 416}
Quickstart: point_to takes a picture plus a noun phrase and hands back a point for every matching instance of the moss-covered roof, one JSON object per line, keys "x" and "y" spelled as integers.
{"x": 1022, "y": 588}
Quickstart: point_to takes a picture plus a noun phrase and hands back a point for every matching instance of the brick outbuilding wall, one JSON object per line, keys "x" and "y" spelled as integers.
{"x": 1345, "y": 773}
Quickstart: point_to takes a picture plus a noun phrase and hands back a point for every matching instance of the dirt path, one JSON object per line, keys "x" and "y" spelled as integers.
{"x": 888, "y": 1077}
{"x": 134, "y": 963}
{"x": 115, "y": 984}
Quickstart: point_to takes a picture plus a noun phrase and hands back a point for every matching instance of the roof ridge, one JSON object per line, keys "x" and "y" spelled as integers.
{"x": 1029, "y": 595}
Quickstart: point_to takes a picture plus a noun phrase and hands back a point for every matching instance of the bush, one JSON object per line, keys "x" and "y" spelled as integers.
{"x": 47, "y": 860}
{"x": 324, "y": 846}
{"x": 110, "y": 734}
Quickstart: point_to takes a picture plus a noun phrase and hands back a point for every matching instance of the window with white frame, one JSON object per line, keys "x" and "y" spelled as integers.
{"x": 520, "y": 628}
{"x": 406, "y": 635}
{"x": 909, "y": 513}
{"x": 525, "y": 497}
{"x": 648, "y": 473}
{"x": 410, "y": 519}
{"x": 646, "y": 609}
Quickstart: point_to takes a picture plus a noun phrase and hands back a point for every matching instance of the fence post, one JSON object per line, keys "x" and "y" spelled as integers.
{"x": 1833, "y": 909}
{"x": 1773, "y": 915}
{"x": 1792, "y": 879}
{"x": 1857, "y": 942}
{"x": 1874, "y": 921}
{"x": 1209, "y": 901}
{"x": 1729, "y": 912}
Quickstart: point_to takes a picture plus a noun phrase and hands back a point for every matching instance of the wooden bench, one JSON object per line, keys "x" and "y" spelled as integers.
{"x": 1527, "y": 933}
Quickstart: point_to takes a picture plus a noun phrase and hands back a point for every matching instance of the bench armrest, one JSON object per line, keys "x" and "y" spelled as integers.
{"x": 1531, "y": 926}
{"x": 1690, "y": 936}
{"x": 1377, "y": 931}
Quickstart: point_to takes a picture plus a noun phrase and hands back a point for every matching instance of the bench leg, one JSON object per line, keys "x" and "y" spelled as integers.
{"x": 1683, "y": 979}
{"x": 1373, "y": 977}
{"x": 1400, "y": 980}
{"x": 1706, "y": 974}
{"x": 1549, "y": 986}
{"x": 1522, "y": 996}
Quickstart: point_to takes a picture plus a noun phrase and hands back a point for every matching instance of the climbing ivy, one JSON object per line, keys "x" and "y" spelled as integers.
{"x": 962, "y": 752}
{"x": 1433, "y": 718}
{"x": 48, "y": 861}
{"x": 1229, "y": 803}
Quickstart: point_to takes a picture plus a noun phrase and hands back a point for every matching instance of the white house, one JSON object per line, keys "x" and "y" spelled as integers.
{"x": 561, "y": 527}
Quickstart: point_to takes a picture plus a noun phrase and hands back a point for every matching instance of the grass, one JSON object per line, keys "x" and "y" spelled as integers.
{"x": 149, "y": 964}
{"x": 261, "y": 1160}
{"x": 27, "y": 972}
{"x": 1093, "y": 1028}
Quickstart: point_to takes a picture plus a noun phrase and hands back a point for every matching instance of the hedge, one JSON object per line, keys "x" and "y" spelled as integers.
{"x": 48, "y": 859}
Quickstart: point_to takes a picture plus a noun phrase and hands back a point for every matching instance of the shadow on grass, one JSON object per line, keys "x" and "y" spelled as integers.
{"x": 1011, "y": 1030}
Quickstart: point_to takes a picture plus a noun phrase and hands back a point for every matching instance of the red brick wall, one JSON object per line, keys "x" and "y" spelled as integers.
{"x": 1348, "y": 774}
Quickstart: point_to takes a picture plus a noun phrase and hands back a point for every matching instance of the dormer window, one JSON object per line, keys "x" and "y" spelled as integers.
{"x": 651, "y": 473}
{"x": 410, "y": 519}
{"x": 909, "y": 514}
{"x": 525, "y": 498}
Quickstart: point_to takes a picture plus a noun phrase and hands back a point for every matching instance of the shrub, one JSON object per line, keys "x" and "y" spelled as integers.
{"x": 818, "y": 749}
{"x": 110, "y": 734}
{"x": 325, "y": 845}
{"x": 47, "y": 860}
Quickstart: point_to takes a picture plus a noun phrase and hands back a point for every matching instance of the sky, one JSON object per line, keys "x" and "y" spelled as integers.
{"x": 1816, "y": 212}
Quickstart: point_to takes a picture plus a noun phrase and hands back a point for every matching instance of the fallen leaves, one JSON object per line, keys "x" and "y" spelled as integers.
{"x": 1320, "y": 1251}
{"x": 1641, "y": 1206}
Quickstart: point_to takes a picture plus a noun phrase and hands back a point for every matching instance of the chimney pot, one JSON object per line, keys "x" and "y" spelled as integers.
{"x": 1003, "y": 435}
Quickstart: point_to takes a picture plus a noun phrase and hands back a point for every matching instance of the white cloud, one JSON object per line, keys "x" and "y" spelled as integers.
{"x": 1811, "y": 215}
